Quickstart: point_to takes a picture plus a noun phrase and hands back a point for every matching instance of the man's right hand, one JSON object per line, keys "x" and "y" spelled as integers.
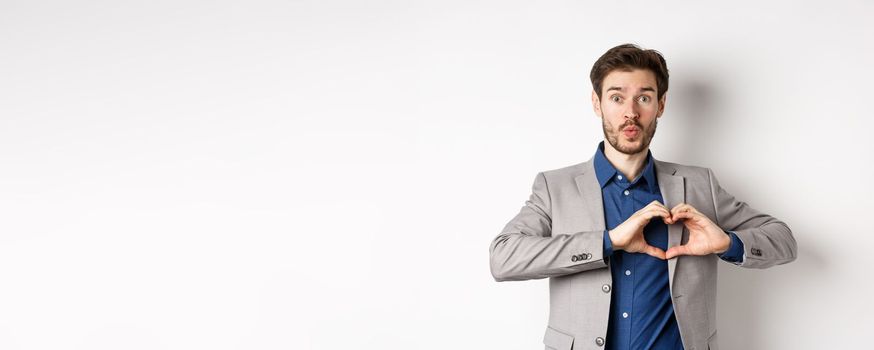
{"x": 628, "y": 236}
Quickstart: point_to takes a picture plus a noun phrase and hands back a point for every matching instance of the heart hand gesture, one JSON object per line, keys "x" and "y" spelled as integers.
{"x": 704, "y": 236}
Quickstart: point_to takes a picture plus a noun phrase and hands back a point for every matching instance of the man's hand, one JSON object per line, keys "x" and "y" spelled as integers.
{"x": 704, "y": 236}
{"x": 628, "y": 236}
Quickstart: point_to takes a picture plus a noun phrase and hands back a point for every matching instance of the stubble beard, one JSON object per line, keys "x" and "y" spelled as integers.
{"x": 612, "y": 135}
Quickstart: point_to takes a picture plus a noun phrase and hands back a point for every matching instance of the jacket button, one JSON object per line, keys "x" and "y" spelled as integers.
{"x": 599, "y": 341}
{"x": 588, "y": 255}
{"x": 574, "y": 258}
{"x": 605, "y": 288}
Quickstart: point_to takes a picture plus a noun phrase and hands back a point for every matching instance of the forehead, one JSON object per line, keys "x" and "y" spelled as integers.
{"x": 633, "y": 80}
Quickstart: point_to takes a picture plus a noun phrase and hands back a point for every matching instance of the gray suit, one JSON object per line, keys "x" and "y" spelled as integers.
{"x": 559, "y": 234}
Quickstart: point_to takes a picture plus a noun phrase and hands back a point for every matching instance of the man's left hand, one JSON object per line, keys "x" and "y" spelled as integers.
{"x": 704, "y": 236}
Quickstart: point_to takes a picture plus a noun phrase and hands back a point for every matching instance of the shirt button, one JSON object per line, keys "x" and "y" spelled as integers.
{"x": 628, "y": 272}
{"x": 626, "y": 192}
{"x": 619, "y": 177}
{"x": 624, "y": 315}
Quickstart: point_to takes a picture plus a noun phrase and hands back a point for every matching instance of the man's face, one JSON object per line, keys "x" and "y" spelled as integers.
{"x": 629, "y": 109}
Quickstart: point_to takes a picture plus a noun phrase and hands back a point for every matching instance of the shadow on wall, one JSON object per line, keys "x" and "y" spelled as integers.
{"x": 744, "y": 295}
{"x": 694, "y": 107}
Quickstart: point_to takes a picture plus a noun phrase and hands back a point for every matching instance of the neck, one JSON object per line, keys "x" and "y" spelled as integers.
{"x": 630, "y": 165}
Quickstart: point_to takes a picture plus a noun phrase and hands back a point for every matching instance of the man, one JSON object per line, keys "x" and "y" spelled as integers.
{"x": 630, "y": 244}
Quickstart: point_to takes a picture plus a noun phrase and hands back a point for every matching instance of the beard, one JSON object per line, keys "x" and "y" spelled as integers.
{"x": 612, "y": 135}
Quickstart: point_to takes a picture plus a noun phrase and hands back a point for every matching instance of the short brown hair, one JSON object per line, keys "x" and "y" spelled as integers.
{"x": 627, "y": 57}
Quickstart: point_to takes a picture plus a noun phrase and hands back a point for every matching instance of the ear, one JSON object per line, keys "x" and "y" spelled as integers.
{"x": 596, "y": 104}
{"x": 662, "y": 105}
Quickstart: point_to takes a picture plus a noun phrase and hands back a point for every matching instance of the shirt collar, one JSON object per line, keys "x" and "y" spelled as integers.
{"x": 605, "y": 171}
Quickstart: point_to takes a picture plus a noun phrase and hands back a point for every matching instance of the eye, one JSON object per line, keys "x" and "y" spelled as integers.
{"x": 644, "y": 99}
{"x": 616, "y": 98}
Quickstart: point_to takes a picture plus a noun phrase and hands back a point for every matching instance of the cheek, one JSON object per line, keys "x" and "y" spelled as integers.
{"x": 651, "y": 109}
{"x": 611, "y": 111}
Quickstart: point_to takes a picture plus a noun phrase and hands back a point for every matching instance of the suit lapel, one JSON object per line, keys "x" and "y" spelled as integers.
{"x": 590, "y": 190}
{"x": 673, "y": 191}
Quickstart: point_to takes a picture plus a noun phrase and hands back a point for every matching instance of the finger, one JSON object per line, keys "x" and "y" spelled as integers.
{"x": 666, "y": 216}
{"x": 678, "y": 208}
{"x": 690, "y": 220}
{"x": 650, "y": 213}
{"x": 683, "y": 207}
{"x": 656, "y": 204}
{"x": 669, "y": 219}
{"x": 676, "y": 250}
{"x": 659, "y": 205}
{"x": 660, "y": 210}
{"x": 677, "y": 211}
{"x": 654, "y": 252}
{"x": 684, "y": 215}
{"x": 695, "y": 218}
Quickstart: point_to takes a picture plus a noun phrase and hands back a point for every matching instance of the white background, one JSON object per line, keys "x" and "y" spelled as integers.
{"x": 329, "y": 174}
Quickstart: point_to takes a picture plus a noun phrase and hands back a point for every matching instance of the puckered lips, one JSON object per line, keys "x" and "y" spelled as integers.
{"x": 630, "y": 131}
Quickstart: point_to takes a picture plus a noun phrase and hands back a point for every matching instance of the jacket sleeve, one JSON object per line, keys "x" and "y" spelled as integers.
{"x": 526, "y": 249}
{"x": 766, "y": 240}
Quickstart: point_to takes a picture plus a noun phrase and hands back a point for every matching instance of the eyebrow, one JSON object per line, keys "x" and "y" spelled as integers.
{"x": 620, "y": 89}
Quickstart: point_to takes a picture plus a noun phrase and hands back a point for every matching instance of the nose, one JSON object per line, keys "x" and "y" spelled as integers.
{"x": 631, "y": 112}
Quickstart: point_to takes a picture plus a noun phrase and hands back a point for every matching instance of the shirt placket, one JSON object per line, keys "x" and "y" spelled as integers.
{"x": 629, "y": 264}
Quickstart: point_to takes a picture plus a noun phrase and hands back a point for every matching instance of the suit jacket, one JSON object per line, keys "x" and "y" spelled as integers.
{"x": 558, "y": 234}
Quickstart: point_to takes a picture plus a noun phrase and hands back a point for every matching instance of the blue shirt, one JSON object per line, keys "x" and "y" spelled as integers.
{"x": 641, "y": 310}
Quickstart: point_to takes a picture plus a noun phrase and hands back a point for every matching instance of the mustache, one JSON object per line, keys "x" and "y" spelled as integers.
{"x": 630, "y": 123}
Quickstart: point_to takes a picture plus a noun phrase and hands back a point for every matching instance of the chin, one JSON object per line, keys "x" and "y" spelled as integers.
{"x": 634, "y": 148}
{"x": 632, "y": 145}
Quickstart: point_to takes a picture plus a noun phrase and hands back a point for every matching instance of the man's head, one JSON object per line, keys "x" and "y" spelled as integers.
{"x": 629, "y": 95}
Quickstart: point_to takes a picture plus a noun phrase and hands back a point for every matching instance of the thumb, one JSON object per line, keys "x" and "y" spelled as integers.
{"x": 676, "y": 250}
{"x": 654, "y": 252}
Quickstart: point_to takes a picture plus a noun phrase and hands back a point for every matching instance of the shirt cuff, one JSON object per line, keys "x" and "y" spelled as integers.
{"x": 608, "y": 246}
{"x": 735, "y": 253}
